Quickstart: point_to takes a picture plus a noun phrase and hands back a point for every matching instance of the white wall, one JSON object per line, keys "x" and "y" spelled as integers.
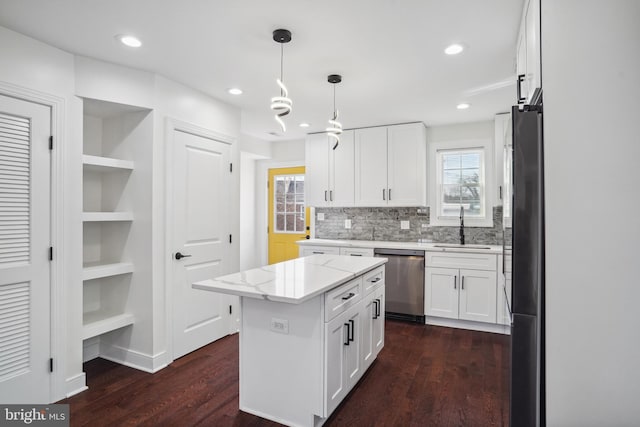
{"x": 590, "y": 69}
{"x": 31, "y": 66}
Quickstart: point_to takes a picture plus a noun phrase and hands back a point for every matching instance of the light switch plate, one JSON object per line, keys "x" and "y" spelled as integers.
{"x": 404, "y": 225}
{"x": 347, "y": 223}
{"x": 320, "y": 216}
{"x": 279, "y": 325}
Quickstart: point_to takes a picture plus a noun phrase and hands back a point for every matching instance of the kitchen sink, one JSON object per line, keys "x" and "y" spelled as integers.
{"x": 458, "y": 246}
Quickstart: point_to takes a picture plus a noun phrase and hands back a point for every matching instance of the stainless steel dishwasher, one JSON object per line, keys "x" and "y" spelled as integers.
{"x": 404, "y": 283}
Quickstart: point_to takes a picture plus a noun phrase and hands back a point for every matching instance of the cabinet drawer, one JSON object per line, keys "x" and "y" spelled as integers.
{"x": 356, "y": 251}
{"x": 372, "y": 280}
{"x": 312, "y": 250}
{"x": 338, "y": 300}
{"x": 473, "y": 261}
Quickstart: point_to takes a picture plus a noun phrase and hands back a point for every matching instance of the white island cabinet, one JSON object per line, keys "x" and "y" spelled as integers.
{"x": 310, "y": 327}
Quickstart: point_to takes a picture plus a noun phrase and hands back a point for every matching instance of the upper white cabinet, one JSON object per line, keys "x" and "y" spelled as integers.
{"x": 502, "y": 142}
{"x": 528, "y": 52}
{"x": 391, "y": 166}
{"x": 329, "y": 174}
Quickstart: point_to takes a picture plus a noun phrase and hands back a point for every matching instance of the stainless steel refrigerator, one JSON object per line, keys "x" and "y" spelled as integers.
{"x": 527, "y": 407}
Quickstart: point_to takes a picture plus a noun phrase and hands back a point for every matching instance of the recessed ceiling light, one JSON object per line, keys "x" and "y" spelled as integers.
{"x": 235, "y": 91}
{"x": 463, "y": 106}
{"x": 454, "y": 49}
{"x": 129, "y": 40}
{"x": 304, "y": 125}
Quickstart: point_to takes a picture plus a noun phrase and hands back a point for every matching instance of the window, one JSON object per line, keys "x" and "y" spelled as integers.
{"x": 461, "y": 183}
{"x": 289, "y": 204}
{"x": 460, "y": 175}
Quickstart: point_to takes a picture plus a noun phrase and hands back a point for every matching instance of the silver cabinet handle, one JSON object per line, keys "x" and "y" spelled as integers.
{"x": 455, "y": 282}
{"x": 389, "y": 194}
{"x": 325, "y": 195}
{"x": 355, "y": 254}
{"x": 384, "y": 194}
{"x": 462, "y": 285}
{"x": 331, "y": 195}
{"x": 317, "y": 252}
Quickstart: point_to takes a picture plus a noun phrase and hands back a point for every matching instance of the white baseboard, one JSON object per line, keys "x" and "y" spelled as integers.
{"x": 134, "y": 359}
{"x": 75, "y": 384}
{"x": 90, "y": 349}
{"x": 466, "y": 324}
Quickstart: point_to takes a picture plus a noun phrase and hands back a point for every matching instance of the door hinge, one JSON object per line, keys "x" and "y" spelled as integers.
{"x": 230, "y": 167}
{"x": 230, "y": 238}
{"x": 230, "y": 309}
{"x": 51, "y": 364}
{"x": 51, "y": 142}
{"x": 50, "y": 253}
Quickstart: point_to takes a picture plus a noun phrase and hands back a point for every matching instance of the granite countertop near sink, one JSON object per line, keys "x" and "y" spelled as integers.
{"x": 293, "y": 281}
{"x": 431, "y": 247}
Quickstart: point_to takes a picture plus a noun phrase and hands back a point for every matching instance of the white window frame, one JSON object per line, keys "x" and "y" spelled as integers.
{"x": 275, "y": 206}
{"x": 435, "y": 182}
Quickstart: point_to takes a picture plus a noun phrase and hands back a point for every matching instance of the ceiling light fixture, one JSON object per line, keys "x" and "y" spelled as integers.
{"x": 129, "y": 40}
{"x": 304, "y": 125}
{"x": 235, "y": 91}
{"x": 281, "y": 104}
{"x": 335, "y": 127}
{"x": 454, "y": 49}
{"x": 463, "y": 106}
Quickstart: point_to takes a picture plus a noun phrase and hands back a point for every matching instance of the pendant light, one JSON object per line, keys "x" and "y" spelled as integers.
{"x": 281, "y": 104}
{"x": 335, "y": 127}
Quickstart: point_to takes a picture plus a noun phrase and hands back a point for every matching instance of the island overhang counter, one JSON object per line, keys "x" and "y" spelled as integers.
{"x": 309, "y": 328}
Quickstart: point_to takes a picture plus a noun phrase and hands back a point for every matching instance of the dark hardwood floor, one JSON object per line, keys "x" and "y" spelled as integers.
{"x": 424, "y": 376}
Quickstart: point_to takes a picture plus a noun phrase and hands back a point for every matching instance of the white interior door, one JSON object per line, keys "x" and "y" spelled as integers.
{"x": 24, "y": 242}
{"x": 201, "y": 230}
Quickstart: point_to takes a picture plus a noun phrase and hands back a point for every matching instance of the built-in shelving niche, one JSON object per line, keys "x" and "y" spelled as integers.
{"x": 116, "y": 225}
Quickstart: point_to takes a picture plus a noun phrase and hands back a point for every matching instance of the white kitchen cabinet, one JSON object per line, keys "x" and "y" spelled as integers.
{"x": 504, "y": 291}
{"x": 356, "y": 251}
{"x": 528, "y": 51}
{"x": 477, "y": 296}
{"x": 315, "y": 250}
{"x": 460, "y": 294}
{"x": 371, "y": 166}
{"x": 502, "y": 139}
{"x": 372, "y": 326}
{"x": 391, "y": 166}
{"x": 441, "y": 292}
{"x": 329, "y": 173}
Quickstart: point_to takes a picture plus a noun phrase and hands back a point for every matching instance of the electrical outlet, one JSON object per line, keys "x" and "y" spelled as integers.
{"x": 347, "y": 223}
{"x": 404, "y": 225}
{"x": 320, "y": 216}
{"x": 279, "y": 325}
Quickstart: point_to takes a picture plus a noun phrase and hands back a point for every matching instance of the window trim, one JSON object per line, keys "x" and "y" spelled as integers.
{"x": 275, "y": 206}
{"x": 435, "y": 179}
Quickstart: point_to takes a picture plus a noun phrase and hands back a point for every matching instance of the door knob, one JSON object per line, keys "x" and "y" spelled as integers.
{"x": 179, "y": 256}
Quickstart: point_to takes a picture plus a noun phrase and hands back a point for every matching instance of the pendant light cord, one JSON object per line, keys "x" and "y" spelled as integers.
{"x": 281, "y": 66}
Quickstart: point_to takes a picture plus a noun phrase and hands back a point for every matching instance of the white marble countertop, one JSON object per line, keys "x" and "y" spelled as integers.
{"x": 431, "y": 247}
{"x": 293, "y": 281}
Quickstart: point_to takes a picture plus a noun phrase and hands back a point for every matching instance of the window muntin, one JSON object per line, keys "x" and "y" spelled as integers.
{"x": 289, "y": 204}
{"x": 461, "y": 182}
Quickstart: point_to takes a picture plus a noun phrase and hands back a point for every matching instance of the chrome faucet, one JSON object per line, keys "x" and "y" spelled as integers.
{"x": 462, "y": 225}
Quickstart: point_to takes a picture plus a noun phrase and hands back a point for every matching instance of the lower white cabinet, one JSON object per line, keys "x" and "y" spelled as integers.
{"x": 353, "y": 340}
{"x": 313, "y": 250}
{"x": 461, "y": 294}
{"x": 356, "y": 251}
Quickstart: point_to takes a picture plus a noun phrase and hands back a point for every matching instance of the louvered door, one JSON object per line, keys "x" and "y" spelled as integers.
{"x": 24, "y": 243}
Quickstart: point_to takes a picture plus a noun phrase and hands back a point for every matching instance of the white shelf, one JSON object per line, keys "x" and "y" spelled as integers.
{"x": 99, "y": 322}
{"x": 97, "y": 270}
{"x": 105, "y": 164}
{"x": 106, "y": 216}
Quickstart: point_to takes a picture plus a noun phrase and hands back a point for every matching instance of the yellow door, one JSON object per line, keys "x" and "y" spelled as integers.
{"x": 287, "y": 214}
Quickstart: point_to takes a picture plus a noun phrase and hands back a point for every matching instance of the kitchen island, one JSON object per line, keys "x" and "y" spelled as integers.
{"x": 310, "y": 327}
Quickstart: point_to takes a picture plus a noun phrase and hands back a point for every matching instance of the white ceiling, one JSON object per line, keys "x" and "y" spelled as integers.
{"x": 389, "y": 52}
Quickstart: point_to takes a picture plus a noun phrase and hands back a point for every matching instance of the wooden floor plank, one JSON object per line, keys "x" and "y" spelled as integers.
{"x": 424, "y": 376}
